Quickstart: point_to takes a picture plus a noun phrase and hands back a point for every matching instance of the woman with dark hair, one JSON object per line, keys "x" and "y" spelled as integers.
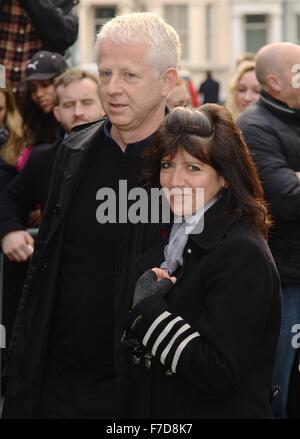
{"x": 38, "y": 100}
{"x": 201, "y": 334}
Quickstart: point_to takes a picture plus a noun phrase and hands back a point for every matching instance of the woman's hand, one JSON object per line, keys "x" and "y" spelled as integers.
{"x": 162, "y": 274}
{"x": 154, "y": 281}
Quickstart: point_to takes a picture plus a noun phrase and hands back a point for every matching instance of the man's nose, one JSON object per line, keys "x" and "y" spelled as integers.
{"x": 78, "y": 109}
{"x": 114, "y": 86}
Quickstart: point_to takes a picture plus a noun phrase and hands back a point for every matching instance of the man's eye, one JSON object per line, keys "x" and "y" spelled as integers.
{"x": 68, "y": 104}
{"x": 130, "y": 75}
{"x": 87, "y": 102}
{"x": 104, "y": 73}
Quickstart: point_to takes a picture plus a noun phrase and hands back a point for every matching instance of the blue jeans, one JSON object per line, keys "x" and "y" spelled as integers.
{"x": 285, "y": 351}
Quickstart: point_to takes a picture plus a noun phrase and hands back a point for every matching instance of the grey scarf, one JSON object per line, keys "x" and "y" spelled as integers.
{"x": 179, "y": 235}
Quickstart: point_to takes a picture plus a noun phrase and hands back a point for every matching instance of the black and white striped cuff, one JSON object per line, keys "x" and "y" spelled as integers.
{"x": 164, "y": 334}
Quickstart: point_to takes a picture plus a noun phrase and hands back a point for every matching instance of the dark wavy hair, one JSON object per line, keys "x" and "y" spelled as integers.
{"x": 38, "y": 127}
{"x": 210, "y": 135}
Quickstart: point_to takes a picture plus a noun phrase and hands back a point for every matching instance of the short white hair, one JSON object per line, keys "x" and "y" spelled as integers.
{"x": 163, "y": 40}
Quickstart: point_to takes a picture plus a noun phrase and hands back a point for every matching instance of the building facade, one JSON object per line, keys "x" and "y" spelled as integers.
{"x": 214, "y": 33}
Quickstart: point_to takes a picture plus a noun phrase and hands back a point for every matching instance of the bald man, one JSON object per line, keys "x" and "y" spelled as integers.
{"x": 272, "y": 130}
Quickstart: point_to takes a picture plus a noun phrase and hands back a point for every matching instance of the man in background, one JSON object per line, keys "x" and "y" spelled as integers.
{"x": 271, "y": 127}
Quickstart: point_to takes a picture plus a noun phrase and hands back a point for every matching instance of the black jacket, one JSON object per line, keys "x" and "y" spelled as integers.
{"x": 29, "y": 343}
{"x": 272, "y": 132}
{"x": 57, "y": 26}
{"x": 7, "y": 173}
{"x": 222, "y": 316}
{"x": 26, "y": 354}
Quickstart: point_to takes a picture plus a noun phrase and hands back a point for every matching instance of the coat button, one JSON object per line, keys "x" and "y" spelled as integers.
{"x": 189, "y": 251}
{"x": 148, "y": 360}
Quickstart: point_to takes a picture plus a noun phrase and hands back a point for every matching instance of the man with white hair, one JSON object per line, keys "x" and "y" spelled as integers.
{"x": 272, "y": 130}
{"x": 62, "y": 361}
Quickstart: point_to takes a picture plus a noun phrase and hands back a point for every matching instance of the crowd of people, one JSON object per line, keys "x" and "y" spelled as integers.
{"x": 189, "y": 317}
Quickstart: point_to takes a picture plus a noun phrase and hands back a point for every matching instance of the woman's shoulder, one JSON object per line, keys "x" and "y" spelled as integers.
{"x": 242, "y": 238}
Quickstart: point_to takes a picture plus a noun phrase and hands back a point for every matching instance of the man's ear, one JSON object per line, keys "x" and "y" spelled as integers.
{"x": 169, "y": 78}
{"x": 274, "y": 83}
{"x": 56, "y": 113}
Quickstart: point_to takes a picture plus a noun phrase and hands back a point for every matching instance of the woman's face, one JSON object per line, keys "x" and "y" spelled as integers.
{"x": 248, "y": 90}
{"x": 2, "y": 109}
{"x": 43, "y": 94}
{"x": 182, "y": 175}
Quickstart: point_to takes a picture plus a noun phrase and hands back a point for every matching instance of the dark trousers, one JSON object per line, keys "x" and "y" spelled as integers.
{"x": 70, "y": 393}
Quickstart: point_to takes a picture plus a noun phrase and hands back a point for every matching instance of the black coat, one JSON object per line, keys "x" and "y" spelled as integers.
{"x": 57, "y": 26}
{"x": 272, "y": 132}
{"x": 227, "y": 303}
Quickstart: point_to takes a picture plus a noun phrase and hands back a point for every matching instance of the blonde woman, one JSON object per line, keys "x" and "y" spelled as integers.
{"x": 244, "y": 89}
{"x": 11, "y": 135}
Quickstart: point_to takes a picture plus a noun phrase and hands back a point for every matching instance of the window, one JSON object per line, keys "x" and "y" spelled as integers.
{"x": 177, "y": 16}
{"x": 208, "y": 32}
{"x": 298, "y": 29}
{"x": 102, "y": 15}
{"x": 256, "y": 27}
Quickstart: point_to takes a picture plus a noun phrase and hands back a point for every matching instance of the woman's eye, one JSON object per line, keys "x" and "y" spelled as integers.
{"x": 194, "y": 168}
{"x": 165, "y": 165}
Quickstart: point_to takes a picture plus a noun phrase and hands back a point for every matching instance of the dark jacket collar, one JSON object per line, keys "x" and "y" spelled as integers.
{"x": 216, "y": 224}
{"x": 279, "y": 108}
{"x": 84, "y": 135}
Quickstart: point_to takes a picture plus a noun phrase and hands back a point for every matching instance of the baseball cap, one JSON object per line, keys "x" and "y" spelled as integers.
{"x": 45, "y": 65}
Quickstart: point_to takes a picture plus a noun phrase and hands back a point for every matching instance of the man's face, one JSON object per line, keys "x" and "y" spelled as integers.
{"x": 79, "y": 103}
{"x": 132, "y": 94}
{"x": 178, "y": 97}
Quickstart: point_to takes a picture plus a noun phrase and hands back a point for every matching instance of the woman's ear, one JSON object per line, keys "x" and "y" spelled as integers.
{"x": 224, "y": 183}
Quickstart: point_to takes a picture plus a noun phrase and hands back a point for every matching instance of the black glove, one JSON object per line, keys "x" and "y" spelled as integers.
{"x": 148, "y": 285}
